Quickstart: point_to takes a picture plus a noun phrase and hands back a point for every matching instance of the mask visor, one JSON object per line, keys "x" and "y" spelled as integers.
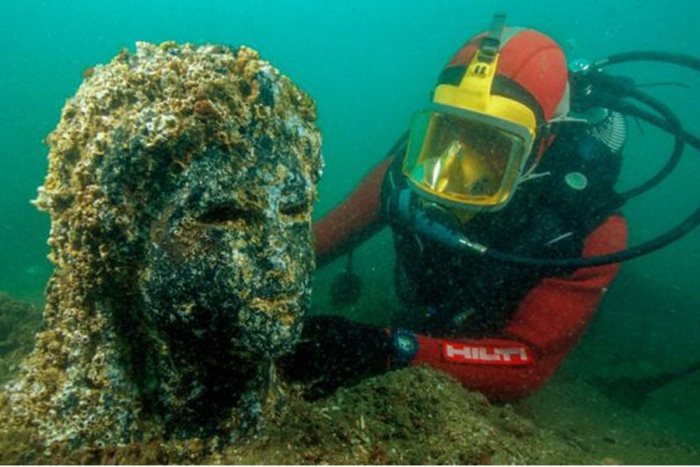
{"x": 465, "y": 159}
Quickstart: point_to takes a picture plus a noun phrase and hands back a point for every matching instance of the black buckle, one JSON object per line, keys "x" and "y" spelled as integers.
{"x": 491, "y": 43}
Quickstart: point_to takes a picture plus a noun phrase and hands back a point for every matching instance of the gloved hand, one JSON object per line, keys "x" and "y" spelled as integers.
{"x": 334, "y": 351}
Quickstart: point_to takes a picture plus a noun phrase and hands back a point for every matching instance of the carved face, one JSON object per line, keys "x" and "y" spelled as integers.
{"x": 229, "y": 260}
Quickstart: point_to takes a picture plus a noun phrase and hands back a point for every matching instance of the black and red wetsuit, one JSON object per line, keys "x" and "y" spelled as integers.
{"x": 500, "y": 329}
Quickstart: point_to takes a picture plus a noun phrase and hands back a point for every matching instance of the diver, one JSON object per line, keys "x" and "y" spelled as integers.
{"x": 506, "y": 223}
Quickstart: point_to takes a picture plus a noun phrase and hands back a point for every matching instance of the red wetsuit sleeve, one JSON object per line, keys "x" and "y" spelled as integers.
{"x": 547, "y": 324}
{"x": 354, "y": 220}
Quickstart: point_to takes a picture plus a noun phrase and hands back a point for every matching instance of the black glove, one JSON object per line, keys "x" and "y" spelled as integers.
{"x": 334, "y": 351}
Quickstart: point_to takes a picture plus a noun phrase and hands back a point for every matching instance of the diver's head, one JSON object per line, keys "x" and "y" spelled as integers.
{"x": 486, "y": 125}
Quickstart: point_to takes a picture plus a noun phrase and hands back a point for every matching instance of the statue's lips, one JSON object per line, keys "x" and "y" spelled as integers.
{"x": 284, "y": 310}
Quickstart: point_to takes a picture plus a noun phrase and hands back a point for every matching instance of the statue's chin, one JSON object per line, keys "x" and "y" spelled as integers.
{"x": 269, "y": 327}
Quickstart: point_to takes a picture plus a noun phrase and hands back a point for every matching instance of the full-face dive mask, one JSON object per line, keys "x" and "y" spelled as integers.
{"x": 468, "y": 150}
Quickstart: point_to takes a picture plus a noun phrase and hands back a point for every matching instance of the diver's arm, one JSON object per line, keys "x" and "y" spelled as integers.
{"x": 352, "y": 222}
{"x": 547, "y": 325}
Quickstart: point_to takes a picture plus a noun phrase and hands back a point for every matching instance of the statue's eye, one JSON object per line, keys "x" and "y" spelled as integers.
{"x": 296, "y": 211}
{"x": 226, "y": 215}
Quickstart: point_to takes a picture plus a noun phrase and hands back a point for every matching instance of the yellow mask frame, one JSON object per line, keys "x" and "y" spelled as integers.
{"x": 430, "y": 165}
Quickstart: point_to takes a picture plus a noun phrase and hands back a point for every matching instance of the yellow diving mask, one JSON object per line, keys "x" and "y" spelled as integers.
{"x": 469, "y": 149}
{"x": 465, "y": 159}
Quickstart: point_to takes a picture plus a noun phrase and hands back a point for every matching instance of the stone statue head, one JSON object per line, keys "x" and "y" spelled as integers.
{"x": 180, "y": 189}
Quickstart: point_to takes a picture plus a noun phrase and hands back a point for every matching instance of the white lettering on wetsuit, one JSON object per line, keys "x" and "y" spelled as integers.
{"x": 486, "y": 355}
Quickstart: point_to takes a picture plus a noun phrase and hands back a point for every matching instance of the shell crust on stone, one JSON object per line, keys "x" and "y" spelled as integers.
{"x": 180, "y": 186}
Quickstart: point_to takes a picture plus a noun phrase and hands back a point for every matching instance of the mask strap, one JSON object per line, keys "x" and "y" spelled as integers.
{"x": 488, "y": 50}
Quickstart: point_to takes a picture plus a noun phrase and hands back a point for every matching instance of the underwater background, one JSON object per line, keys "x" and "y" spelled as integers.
{"x": 369, "y": 65}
